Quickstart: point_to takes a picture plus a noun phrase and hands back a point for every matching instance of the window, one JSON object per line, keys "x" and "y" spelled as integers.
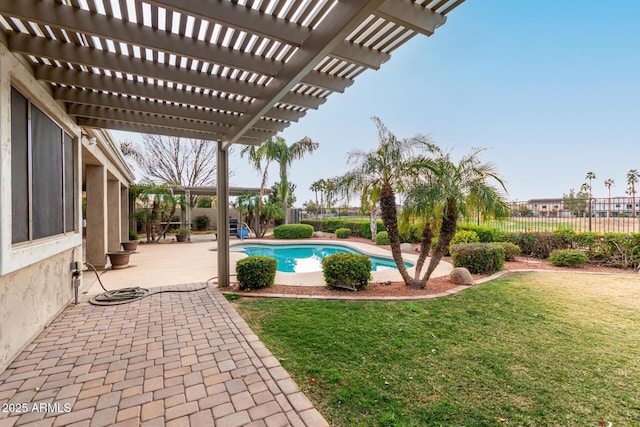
{"x": 42, "y": 173}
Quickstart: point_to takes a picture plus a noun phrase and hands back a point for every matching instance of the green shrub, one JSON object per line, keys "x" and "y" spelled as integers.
{"x": 485, "y": 234}
{"x": 343, "y": 270}
{"x": 411, "y": 233}
{"x": 382, "y": 238}
{"x": 568, "y": 257}
{"x": 202, "y": 222}
{"x": 511, "y": 251}
{"x": 343, "y": 233}
{"x": 360, "y": 228}
{"x": 256, "y": 272}
{"x": 539, "y": 245}
{"x": 478, "y": 258}
{"x": 133, "y": 236}
{"x": 464, "y": 236}
{"x": 293, "y": 231}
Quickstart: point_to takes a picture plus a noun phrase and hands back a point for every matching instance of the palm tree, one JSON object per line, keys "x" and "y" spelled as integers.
{"x": 315, "y": 187}
{"x": 609, "y": 183}
{"x": 590, "y": 176}
{"x": 449, "y": 191}
{"x": 632, "y": 180}
{"x": 385, "y": 171}
{"x": 276, "y": 149}
{"x": 353, "y": 181}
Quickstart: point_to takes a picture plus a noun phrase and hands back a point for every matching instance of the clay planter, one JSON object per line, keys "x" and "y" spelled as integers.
{"x": 181, "y": 237}
{"x": 130, "y": 246}
{"x": 119, "y": 259}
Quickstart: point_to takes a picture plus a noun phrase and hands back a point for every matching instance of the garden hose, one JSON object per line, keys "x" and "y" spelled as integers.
{"x": 127, "y": 295}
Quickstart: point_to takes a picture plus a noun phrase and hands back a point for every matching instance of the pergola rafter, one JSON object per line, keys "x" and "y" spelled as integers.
{"x": 229, "y": 71}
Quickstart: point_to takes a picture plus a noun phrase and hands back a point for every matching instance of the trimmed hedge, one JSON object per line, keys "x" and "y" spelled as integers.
{"x": 568, "y": 258}
{"x": 511, "y": 251}
{"x": 293, "y": 231}
{"x": 256, "y": 272}
{"x": 346, "y": 271}
{"x": 485, "y": 234}
{"x": 382, "y": 238}
{"x": 478, "y": 258}
{"x": 343, "y": 233}
{"x": 360, "y": 228}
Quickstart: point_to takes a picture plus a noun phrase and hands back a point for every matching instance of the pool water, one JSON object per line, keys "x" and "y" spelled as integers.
{"x": 308, "y": 258}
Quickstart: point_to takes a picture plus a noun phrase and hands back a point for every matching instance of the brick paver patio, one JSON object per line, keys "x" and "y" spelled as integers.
{"x": 173, "y": 359}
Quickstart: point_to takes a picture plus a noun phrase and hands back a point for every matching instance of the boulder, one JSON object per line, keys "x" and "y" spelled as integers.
{"x": 406, "y": 247}
{"x": 461, "y": 276}
{"x": 319, "y": 234}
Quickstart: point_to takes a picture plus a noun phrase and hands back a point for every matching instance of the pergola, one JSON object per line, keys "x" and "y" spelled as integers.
{"x": 230, "y": 71}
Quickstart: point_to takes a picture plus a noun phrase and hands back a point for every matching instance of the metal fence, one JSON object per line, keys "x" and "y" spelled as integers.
{"x": 600, "y": 215}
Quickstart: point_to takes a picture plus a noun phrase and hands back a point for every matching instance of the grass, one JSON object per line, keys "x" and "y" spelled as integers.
{"x": 530, "y": 349}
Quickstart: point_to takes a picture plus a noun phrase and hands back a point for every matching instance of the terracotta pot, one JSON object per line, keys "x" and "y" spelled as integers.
{"x": 181, "y": 237}
{"x": 119, "y": 259}
{"x": 129, "y": 246}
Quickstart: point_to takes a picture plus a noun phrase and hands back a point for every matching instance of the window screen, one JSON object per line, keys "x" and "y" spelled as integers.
{"x": 19, "y": 168}
{"x": 69, "y": 186}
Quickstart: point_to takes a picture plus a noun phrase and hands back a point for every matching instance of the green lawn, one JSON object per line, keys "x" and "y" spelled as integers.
{"x": 532, "y": 349}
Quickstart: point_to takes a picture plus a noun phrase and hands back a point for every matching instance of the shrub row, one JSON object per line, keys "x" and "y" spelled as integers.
{"x": 293, "y": 231}
{"x": 359, "y": 228}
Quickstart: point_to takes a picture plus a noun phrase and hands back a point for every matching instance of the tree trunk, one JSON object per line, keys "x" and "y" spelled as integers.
{"x": 447, "y": 231}
{"x": 425, "y": 247}
{"x": 390, "y": 219}
{"x": 373, "y": 223}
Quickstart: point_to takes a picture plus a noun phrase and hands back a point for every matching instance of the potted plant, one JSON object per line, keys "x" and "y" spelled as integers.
{"x": 119, "y": 259}
{"x": 132, "y": 244}
{"x": 181, "y": 234}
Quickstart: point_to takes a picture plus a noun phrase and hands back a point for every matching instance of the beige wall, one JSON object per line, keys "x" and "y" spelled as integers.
{"x": 30, "y": 298}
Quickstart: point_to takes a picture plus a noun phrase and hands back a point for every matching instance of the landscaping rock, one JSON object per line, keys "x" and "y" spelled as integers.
{"x": 406, "y": 247}
{"x": 461, "y": 276}
{"x": 319, "y": 234}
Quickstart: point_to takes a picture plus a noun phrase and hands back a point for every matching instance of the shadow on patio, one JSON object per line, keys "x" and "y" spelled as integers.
{"x": 169, "y": 359}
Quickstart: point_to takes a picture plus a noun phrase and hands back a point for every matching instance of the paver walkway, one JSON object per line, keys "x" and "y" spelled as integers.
{"x": 173, "y": 359}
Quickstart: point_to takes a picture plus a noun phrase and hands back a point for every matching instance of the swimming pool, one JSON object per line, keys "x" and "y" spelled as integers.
{"x": 307, "y": 258}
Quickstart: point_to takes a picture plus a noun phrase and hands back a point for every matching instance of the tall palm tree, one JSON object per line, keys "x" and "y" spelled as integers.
{"x": 353, "y": 181}
{"x": 315, "y": 187}
{"x": 275, "y": 149}
{"x": 609, "y": 183}
{"x": 632, "y": 180}
{"x": 385, "y": 171}
{"x": 449, "y": 191}
{"x": 590, "y": 176}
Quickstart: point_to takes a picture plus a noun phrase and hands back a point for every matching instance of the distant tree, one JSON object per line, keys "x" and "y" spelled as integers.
{"x": 311, "y": 207}
{"x": 174, "y": 160}
{"x": 275, "y": 149}
{"x": 276, "y": 196}
{"x": 609, "y": 183}
{"x": 576, "y": 203}
{"x": 523, "y": 210}
{"x": 204, "y": 202}
{"x": 632, "y": 179}
{"x": 590, "y": 176}
{"x": 158, "y": 204}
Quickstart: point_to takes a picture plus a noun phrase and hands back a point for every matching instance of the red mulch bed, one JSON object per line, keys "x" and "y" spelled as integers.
{"x": 434, "y": 286}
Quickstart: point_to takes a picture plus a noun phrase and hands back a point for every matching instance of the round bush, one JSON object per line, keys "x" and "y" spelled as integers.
{"x": 293, "y": 231}
{"x": 256, "y": 272}
{"x": 511, "y": 251}
{"x": 343, "y": 233}
{"x": 202, "y": 222}
{"x": 382, "y": 238}
{"x": 464, "y": 236}
{"x": 346, "y": 271}
{"x": 568, "y": 258}
{"x": 478, "y": 258}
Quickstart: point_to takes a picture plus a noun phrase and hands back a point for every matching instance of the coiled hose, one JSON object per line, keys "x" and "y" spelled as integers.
{"x": 127, "y": 295}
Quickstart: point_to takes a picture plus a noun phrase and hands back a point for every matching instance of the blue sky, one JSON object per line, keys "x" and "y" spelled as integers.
{"x": 551, "y": 88}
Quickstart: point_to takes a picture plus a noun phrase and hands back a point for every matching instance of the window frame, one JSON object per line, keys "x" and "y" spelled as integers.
{"x": 64, "y": 137}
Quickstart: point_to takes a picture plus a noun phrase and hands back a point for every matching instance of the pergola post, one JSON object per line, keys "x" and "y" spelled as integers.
{"x": 223, "y": 216}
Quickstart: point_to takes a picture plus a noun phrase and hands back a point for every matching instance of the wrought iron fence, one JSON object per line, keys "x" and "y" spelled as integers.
{"x": 602, "y": 215}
